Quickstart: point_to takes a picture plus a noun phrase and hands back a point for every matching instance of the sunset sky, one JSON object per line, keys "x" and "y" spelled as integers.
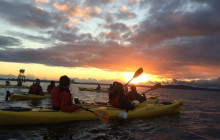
{"x": 111, "y": 39}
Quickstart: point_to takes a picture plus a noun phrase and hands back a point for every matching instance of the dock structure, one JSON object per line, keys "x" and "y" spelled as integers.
{"x": 21, "y": 75}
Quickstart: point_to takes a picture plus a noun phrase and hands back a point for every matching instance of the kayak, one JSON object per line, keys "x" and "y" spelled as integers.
{"x": 92, "y": 89}
{"x": 14, "y": 86}
{"x": 49, "y": 116}
{"x": 14, "y": 96}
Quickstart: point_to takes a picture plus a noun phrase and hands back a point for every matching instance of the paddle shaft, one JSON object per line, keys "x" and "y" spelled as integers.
{"x": 158, "y": 85}
{"x": 129, "y": 81}
{"x": 87, "y": 109}
{"x": 100, "y": 114}
{"x": 146, "y": 91}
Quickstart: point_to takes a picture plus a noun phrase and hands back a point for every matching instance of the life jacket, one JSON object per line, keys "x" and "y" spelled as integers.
{"x": 55, "y": 99}
{"x": 115, "y": 101}
{"x": 133, "y": 97}
{"x": 50, "y": 88}
{"x": 34, "y": 89}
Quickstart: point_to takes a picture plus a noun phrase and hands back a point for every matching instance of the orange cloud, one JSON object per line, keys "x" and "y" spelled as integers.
{"x": 70, "y": 25}
{"x": 74, "y": 20}
{"x": 61, "y": 7}
{"x": 41, "y": 1}
{"x": 85, "y": 13}
{"x": 123, "y": 9}
{"x": 82, "y": 13}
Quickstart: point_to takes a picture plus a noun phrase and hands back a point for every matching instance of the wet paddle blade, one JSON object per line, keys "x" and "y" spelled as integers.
{"x": 123, "y": 115}
{"x": 156, "y": 86}
{"x": 138, "y": 72}
{"x": 102, "y": 115}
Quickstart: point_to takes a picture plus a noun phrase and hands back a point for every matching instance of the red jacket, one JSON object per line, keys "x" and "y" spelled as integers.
{"x": 131, "y": 96}
{"x": 50, "y": 88}
{"x": 62, "y": 100}
{"x": 115, "y": 101}
{"x": 35, "y": 89}
{"x": 120, "y": 101}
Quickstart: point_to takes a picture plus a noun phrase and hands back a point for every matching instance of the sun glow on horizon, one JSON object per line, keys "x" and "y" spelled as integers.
{"x": 143, "y": 78}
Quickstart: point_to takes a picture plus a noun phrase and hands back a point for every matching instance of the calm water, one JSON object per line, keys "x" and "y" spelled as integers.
{"x": 199, "y": 119}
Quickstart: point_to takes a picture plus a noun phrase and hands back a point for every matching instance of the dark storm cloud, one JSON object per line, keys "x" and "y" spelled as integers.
{"x": 26, "y": 15}
{"x": 9, "y": 41}
{"x": 168, "y": 21}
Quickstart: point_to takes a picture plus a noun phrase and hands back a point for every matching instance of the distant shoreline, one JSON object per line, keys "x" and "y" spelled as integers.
{"x": 183, "y": 87}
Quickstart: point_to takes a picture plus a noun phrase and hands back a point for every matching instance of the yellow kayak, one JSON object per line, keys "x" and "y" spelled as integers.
{"x": 48, "y": 116}
{"x": 14, "y": 86}
{"x": 92, "y": 89}
{"x": 15, "y": 96}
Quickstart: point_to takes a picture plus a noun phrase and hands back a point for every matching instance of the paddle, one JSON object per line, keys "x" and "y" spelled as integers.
{"x": 158, "y": 85}
{"x": 101, "y": 114}
{"x": 136, "y": 74}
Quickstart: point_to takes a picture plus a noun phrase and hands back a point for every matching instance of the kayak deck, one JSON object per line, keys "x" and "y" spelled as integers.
{"x": 14, "y": 96}
{"x": 14, "y": 86}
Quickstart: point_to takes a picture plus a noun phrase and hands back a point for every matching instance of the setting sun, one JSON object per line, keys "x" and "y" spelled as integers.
{"x": 143, "y": 78}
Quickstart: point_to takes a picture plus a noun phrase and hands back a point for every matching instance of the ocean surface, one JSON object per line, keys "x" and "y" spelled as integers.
{"x": 199, "y": 119}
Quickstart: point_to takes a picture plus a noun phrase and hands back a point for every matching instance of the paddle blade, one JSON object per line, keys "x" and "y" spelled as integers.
{"x": 138, "y": 72}
{"x": 123, "y": 115}
{"x": 102, "y": 115}
{"x": 156, "y": 86}
{"x": 153, "y": 88}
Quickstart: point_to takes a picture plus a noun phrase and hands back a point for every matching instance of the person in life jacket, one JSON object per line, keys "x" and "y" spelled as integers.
{"x": 36, "y": 88}
{"x": 118, "y": 99}
{"x": 61, "y": 98}
{"x": 50, "y": 86}
{"x": 7, "y": 83}
{"x": 133, "y": 95}
{"x": 98, "y": 87}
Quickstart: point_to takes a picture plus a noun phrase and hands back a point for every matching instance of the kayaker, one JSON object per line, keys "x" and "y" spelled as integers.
{"x": 7, "y": 83}
{"x": 19, "y": 82}
{"x": 36, "y": 88}
{"x": 118, "y": 99}
{"x": 61, "y": 98}
{"x": 98, "y": 87}
{"x": 133, "y": 95}
{"x": 50, "y": 86}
